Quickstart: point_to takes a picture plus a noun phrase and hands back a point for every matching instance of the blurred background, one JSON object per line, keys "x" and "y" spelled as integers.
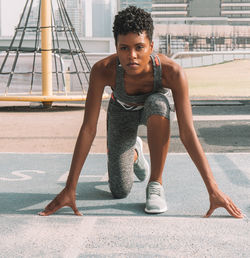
{"x": 209, "y": 38}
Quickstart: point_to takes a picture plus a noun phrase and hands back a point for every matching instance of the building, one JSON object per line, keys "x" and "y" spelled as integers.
{"x": 98, "y": 17}
{"x": 236, "y": 11}
{"x": 75, "y": 11}
{"x": 144, "y": 4}
{"x": 210, "y": 12}
{"x": 195, "y": 25}
{"x": 102, "y": 17}
{"x": 170, "y": 11}
{"x": 0, "y": 18}
{"x": 187, "y": 12}
{"x": 32, "y": 24}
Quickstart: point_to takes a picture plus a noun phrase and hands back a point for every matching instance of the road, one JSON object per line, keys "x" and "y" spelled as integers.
{"x": 36, "y": 150}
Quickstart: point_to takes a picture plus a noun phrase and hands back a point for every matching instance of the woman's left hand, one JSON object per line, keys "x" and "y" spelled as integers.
{"x": 219, "y": 199}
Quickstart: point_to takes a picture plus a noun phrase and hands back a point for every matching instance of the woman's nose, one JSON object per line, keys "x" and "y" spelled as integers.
{"x": 132, "y": 53}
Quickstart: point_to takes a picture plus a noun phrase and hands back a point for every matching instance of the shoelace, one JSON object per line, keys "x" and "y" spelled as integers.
{"x": 154, "y": 190}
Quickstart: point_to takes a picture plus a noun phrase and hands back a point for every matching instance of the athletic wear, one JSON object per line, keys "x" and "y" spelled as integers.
{"x": 122, "y": 125}
{"x": 155, "y": 198}
{"x": 141, "y": 166}
{"x": 119, "y": 94}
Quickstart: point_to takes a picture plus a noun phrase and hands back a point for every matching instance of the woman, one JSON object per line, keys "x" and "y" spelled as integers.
{"x": 141, "y": 84}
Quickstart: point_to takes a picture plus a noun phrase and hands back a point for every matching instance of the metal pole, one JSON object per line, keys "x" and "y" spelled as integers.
{"x": 46, "y": 43}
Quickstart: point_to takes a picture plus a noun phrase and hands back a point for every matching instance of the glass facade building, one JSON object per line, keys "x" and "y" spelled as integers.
{"x": 91, "y": 18}
{"x": 103, "y": 12}
{"x": 75, "y": 12}
{"x": 98, "y": 17}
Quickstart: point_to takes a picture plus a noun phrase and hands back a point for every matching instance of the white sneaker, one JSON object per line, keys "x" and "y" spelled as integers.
{"x": 141, "y": 166}
{"x": 155, "y": 198}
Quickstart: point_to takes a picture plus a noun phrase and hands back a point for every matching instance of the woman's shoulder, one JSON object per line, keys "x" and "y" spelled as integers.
{"x": 105, "y": 69}
{"x": 169, "y": 65}
{"x": 107, "y": 64}
{"x": 170, "y": 69}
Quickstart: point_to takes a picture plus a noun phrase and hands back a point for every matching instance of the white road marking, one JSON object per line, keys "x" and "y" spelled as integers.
{"x": 90, "y": 176}
{"x": 39, "y": 205}
{"x": 105, "y": 178}
{"x": 21, "y": 175}
{"x": 63, "y": 177}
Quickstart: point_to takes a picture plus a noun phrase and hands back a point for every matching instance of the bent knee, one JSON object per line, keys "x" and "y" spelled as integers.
{"x": 120, "y": 190}
{"x": 157, "y": 104}
{"x": 157, "y": 101}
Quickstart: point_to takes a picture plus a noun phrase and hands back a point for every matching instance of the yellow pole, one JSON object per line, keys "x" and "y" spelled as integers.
{"x": 46, "y": 44}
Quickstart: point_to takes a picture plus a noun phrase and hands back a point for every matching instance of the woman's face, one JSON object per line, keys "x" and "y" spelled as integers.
{"x": 134, "y": 52}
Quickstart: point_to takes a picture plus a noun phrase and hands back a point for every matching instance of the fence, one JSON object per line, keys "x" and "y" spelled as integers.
{"x": 170, "y": 44}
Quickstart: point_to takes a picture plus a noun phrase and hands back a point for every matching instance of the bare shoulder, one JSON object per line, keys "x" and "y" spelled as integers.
{"x": 171, "y": 71}
{"x": 104, "y": 70}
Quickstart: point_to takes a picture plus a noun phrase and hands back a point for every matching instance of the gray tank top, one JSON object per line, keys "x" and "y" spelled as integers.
{"x": 120, "y": 95}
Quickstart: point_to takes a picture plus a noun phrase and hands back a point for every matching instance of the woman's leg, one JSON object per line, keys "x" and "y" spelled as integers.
{"x": 158, "y": 129}
{"x": 156, "y": 116}
{"x": 121, "y": 137}
{"x": 157, "y": 119}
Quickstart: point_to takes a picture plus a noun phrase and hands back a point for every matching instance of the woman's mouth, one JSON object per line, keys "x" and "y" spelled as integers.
{"x": 133, "y": 65}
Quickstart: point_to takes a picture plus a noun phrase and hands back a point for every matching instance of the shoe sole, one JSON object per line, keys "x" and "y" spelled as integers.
{"x": 155, "y": 211}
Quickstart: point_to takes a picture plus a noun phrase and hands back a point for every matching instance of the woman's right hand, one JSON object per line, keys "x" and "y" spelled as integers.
{"x": 65, "y": 198}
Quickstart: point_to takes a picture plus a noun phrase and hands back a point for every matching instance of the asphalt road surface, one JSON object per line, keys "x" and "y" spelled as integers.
{"x": 120, "y": 228}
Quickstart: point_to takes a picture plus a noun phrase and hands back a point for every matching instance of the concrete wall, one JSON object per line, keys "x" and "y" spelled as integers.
{"x": 198, "y": 59}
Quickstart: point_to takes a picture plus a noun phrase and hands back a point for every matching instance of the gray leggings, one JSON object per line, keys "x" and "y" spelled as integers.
{"x": 122, "y": 126}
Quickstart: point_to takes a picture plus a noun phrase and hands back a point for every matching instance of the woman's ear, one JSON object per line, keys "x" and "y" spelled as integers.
{"x": 152, "y": 45}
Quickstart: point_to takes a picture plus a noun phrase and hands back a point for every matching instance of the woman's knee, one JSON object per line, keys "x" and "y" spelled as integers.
{"x": 120, "y": 170}
{"x": 157, "y": 104}
{"x": 120, "y": 188}
{"x": 157, "y": 101}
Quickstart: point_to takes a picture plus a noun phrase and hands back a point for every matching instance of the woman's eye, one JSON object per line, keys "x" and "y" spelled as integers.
{"x": 139, "y": 47}
{"x": 123, "y": 48}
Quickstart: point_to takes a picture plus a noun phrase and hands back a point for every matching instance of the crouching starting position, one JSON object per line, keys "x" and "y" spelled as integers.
{"x": 142, "y": 85}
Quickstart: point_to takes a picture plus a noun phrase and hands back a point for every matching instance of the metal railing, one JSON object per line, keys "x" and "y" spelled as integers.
{"x": 171, "y": 44}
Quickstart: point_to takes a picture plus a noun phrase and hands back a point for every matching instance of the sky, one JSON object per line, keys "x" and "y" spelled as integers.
{"x": 10, "y": 15}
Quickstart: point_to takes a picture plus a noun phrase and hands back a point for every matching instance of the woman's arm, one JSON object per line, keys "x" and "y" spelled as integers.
{"x": 83, "y": 144}
{"x": 179, "y": 85}
{"x": 88, "y": 129}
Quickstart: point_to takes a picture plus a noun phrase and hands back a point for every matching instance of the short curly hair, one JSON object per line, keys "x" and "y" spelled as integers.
{"x": 133, "y": 19}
